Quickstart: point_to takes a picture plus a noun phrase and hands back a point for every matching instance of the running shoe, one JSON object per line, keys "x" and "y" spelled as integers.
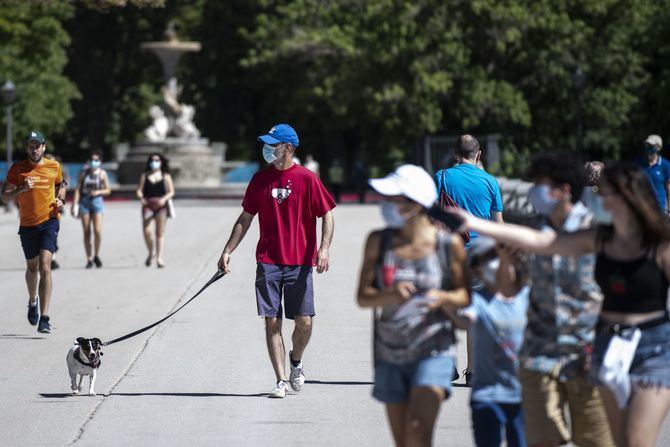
{"x": 297, "y": 377}
{"x": 33, "y": 313}
{"x": 45, "y": 326}
{"x": 279, "y": 392}
{"x": 468, "y": 377}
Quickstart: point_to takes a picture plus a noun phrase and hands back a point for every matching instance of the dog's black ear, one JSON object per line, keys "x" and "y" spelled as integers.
{"x": 81, "y": 340}
{"x": 97, "y": 342}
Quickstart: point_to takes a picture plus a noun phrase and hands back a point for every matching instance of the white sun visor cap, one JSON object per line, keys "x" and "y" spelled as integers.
{"x": 411, "y": 181}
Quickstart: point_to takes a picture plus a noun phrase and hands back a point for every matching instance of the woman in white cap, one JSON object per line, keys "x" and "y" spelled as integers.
{"x": 413, "y": 275}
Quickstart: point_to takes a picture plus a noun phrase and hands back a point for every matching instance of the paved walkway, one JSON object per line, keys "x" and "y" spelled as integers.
{"x": 200, "y": 378}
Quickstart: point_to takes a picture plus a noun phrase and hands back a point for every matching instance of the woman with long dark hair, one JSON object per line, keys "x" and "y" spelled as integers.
{"x": 154, "y": 190}
{"x": 631, "y": 358}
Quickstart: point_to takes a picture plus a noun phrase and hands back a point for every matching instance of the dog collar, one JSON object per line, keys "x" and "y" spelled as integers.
{"x": 90, "y": 365}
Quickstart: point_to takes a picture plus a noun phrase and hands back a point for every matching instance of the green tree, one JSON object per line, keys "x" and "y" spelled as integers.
{"x": 33, "y": 55}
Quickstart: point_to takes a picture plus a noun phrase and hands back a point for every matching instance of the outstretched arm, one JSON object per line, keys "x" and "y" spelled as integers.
{"x": 239, "y": 231}
{"x": 529, "y": 239}
{"x": 327, "y": 229}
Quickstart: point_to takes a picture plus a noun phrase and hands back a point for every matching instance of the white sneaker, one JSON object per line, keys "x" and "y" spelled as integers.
{"x": 297, "y": 377}
{"x": 279, "y": 391}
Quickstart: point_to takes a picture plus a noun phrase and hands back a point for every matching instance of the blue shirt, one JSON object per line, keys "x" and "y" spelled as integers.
{"x": 472, "y": 189}
{"x": 659, "y": 175}
{"x": 497, "y": 336}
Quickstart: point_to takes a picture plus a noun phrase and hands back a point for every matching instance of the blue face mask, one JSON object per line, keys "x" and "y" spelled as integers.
{"x": 600, "y": 214}
{"x": 541, "y": 201}
{"x": 95, "y": 164}
{"x": 391, "y": 216}
{"x": 650, "y": 150}
{"x": 269, "y": 153}
{"x": 155, "y": 165}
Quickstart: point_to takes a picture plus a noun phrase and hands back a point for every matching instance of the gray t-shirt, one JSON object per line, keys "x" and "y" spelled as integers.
{"x": 497, "y": 334}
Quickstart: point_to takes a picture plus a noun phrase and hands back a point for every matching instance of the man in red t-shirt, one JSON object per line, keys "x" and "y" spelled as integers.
{"x": 38, "y": 187}
{"x": 288, "y": 199}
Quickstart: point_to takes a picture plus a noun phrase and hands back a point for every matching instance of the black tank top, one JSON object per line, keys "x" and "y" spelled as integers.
{"x": 637, "y": 286}
{"x": 154, "y": 189}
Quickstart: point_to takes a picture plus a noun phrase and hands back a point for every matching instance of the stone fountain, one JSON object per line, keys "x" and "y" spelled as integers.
{"x": 193, "y": 162}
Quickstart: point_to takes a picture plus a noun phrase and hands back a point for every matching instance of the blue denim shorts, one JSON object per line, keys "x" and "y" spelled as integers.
{"x": 92, "y": 205}
{"x": 41, "y": 237}
{"x": 394, "y": 383}
{"x": 292, "y": 282}
{"x": 651, "y": 364}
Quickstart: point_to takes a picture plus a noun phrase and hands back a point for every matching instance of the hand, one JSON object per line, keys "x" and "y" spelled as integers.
{"x": 162, "y": 202}
{"x": 59, "y": 204}
{"x": 464, "y": 215}
{"x": 143, "y": 201}
{"x": 27, "y": 185}
{"x": 404, "y": 290}
{"x": 74, "y": 210}
{"x": 224, "y": 262}
{"x": 322, "y": 260}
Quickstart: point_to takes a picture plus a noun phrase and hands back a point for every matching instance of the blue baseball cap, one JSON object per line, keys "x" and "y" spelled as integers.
{"x": 280, "y": 133}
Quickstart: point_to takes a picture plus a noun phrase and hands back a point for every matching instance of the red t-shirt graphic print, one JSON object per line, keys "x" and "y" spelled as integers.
{"x": 288, "y": 204}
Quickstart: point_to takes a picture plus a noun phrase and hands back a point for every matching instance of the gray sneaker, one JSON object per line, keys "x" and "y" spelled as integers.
{"x": 297, "y": 377}
{"x": 279, "y": 391}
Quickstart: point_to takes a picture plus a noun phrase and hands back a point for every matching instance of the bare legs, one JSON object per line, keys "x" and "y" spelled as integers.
{"x": 159, "y": 230}
{"x": 412, "y": 423}
{"x": 639, "y": 423}
{"x": 275, "y": 341}
{"x": 38, "y": 275}
{"x": 95, "y": 220}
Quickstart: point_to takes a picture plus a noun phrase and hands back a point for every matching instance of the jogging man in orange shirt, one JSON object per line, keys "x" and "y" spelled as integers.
{"x": 38, "y": 187}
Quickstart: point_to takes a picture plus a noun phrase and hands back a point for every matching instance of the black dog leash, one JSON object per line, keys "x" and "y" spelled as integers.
{"x": 217, "y": 276}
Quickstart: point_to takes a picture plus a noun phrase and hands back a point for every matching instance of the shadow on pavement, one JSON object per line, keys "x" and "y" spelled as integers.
{"x": 20, "y": 337}
{"x": 319, "y": 382}
{"x": 64, "y": 395}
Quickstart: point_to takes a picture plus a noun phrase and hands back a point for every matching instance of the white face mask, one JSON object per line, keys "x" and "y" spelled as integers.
{"x": 269, "y": 153}
{"x": 539, "y": 197}
{"x": 391, "y": 215}
{"x": 490, "y": 271}
{"x": 155, "y": 165}
{"x": 600, "y": 214}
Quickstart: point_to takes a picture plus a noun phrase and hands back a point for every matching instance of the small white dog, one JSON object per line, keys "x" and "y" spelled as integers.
{"x": 83, "y": 358}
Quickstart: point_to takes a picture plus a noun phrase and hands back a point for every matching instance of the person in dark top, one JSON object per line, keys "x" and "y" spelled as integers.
{"x": 92, "y": 185}
{"x": 154, "y": 190}
{"x": 631, "y": 354}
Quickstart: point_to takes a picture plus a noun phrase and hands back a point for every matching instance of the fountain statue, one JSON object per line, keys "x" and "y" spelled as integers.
{"x": 172, "y": 130}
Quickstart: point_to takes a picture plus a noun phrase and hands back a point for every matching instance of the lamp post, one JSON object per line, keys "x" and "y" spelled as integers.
{"x": 8, "y": 92}
{"x": 578, "y": 83}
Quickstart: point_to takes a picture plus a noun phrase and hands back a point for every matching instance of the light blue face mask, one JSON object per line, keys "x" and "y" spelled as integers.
{"x": 539, "y": 197}
{"x": 600, "y": 214}
{"x": 269, "y": 153}
{"x": 95, "y": 164}
{"x": 391, "y": 216}
{"x": 155, "y": 165}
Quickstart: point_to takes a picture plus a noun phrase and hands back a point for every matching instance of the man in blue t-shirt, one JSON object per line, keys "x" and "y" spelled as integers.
{"x": 657, "y": 170}
{"x": 468, "y": 186}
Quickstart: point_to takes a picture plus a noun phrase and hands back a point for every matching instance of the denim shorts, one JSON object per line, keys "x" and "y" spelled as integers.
{"x": 394, "y": 383}
{"x": 40, "y": 237}
{"x": 292, "y": 282}
{"x": 91, "y": 205}
{"x": 651, "y": 363}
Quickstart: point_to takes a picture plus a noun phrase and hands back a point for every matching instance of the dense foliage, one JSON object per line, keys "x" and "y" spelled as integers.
{"x": 358, "y": 79}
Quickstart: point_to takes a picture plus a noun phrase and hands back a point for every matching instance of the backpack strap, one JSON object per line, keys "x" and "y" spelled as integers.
{"x": 444, "y": 241}
{"x": 385, "y": 242}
